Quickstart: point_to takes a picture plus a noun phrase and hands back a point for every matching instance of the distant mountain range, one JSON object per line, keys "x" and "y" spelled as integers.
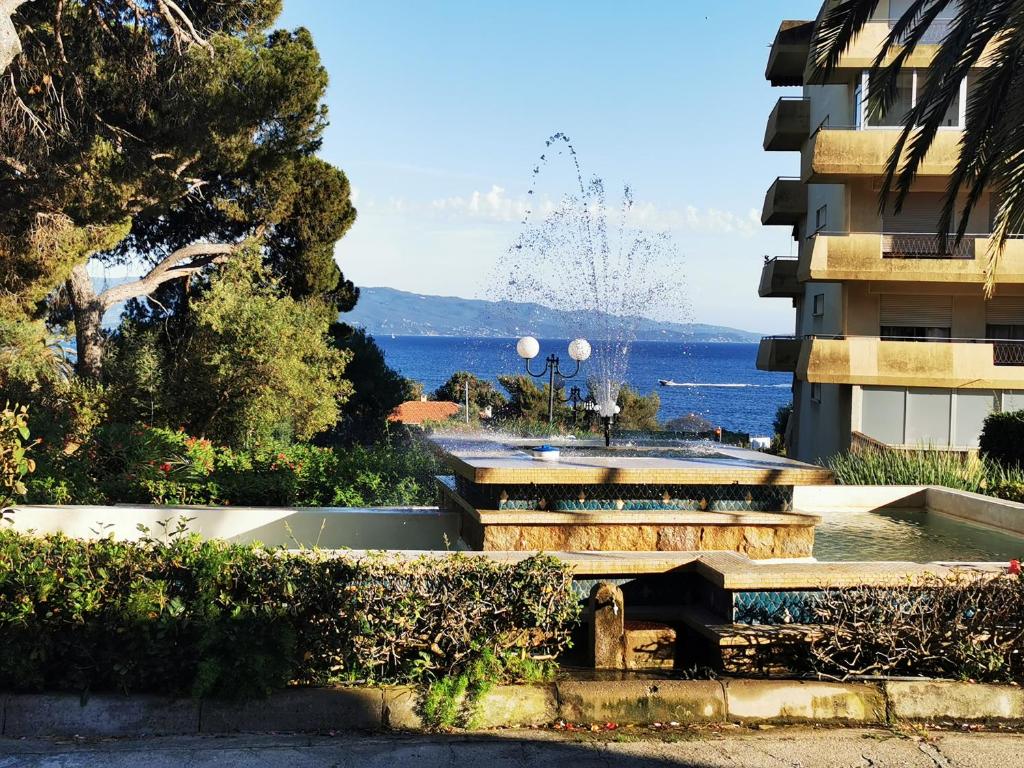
{"x": 386, "y": 311}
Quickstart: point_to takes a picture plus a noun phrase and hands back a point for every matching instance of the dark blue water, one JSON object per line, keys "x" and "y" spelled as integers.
{"x": 725, "y": 385}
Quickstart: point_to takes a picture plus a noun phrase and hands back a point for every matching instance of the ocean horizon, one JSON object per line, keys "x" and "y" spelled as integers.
{"x": 718, "y": 380}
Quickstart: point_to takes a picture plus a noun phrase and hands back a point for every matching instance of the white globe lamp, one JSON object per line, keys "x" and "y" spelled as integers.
{"x": 528, "y": 347}
{"x": 579, "y": 350}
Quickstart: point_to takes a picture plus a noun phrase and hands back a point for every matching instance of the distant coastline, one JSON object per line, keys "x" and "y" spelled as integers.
{"x": 388, "y": 311}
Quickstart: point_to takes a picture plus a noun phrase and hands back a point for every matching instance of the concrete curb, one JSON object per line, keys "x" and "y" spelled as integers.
{"x": 792, "y": 701}
{"x": 941, "y": 700}
{"x": 641, "y": 701}
{"x": 622, "y": 702}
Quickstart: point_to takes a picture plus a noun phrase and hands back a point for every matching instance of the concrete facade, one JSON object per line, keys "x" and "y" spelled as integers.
{"x": 893, "y": 337}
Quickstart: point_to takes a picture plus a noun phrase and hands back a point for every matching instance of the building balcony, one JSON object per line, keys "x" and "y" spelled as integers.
{"x": 779, "y": 279}
{"x": 864, "y": 48}
{"x": 907, "y": 257}
{"x": 789, "y": 125}
{"x": 837, "y": 155}
{"x": 788, "y": 57}
{"x": 785, "y": 202}
{"x": 779, "y": 353}
{"x": 944, "y": 363}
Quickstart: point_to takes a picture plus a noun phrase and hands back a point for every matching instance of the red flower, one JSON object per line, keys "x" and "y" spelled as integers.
{"x": 165, "y": 467}
{"x": 1015, "y": 567}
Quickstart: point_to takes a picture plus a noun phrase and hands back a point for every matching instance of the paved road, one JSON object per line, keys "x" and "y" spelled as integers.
{"x": 518, "y": 749}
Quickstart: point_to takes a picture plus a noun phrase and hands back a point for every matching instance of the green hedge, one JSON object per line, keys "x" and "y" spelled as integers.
{"x": 208, "y": 618}
{"x": 151, "y": 465}
{"x": 1002, "y": 438}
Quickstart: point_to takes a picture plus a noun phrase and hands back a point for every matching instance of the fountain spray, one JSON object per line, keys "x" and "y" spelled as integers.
{"x": 597, "y": 264}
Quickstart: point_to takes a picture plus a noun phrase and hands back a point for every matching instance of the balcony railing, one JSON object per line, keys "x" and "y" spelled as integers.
{"x": 934, "y": 35}
{"x": 913, "y": 245}
{"x": 1008, "y": 353}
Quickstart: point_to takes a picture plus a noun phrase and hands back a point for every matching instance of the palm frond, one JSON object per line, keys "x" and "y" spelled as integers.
{"x": 834, "y": 31}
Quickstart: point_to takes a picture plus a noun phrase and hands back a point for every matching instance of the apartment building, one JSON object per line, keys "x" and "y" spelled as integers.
{"x": 893, "y": 337}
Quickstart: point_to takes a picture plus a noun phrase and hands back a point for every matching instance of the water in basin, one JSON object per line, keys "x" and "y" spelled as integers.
{"x": 912, "y": 535}
{"x": 688, "y": 451}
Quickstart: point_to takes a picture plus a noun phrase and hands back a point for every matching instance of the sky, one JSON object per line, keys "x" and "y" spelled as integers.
{"x": 439, "y": 112}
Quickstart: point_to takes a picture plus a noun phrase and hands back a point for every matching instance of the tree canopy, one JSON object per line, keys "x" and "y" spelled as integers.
{"x": 132, "y": 132}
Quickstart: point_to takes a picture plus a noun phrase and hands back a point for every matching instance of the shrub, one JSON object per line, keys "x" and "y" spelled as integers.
{"x": 376, "y": 387}
{"x": 961, "y": 626}
{"x": 878, "y": 466}
{"x": 151, "y": 465}
{"x": 1002, "y": 438}
{"x": 965, "y": 472}
{"x": 216, "y": 619}
{"x": 15, "y": 462}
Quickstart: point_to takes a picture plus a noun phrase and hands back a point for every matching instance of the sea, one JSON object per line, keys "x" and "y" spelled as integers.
{"x": 720, "y": 381}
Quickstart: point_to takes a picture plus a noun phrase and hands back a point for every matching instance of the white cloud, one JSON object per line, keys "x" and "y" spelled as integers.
{"x": 497, "y": 206}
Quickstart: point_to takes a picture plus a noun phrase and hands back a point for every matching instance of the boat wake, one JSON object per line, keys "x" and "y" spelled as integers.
{"x": 701, "y": 385}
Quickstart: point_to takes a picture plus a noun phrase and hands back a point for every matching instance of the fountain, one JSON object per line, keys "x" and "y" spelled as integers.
{"x": 579, "y": 494}
{"x": 594, "y": 262}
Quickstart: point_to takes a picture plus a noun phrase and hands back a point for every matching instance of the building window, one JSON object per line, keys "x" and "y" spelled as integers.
{"x": 914, "y": 333}
{"x": 821, "y": 218}
{"x": 815, "y": 392}
{"x": 818, "y": 309}
{"x": 909, "y": 83}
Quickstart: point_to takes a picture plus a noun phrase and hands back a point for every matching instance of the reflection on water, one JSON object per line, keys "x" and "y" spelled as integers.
{"x": 909, "y": 535}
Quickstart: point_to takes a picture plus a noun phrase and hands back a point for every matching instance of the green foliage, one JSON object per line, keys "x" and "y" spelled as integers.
{"x": 15, "y": 462}
{"x": 1002, "y": 438}
{"x": 154, "y": 465}
{"x": 965, "y": 472}
{"x": 31, "y": 358}
{"x": 127, "y": 141}
{"x": 781, "y": 421}
{"x": 208, "y": 618}
{"x": 301, "y": 247}
{"x": 451, "y": 701}
{"x": 528, "y": 402}
{"x": 638, "y": 413}
{"x": 482, "y": 394}
{"x": 376, "y": 387}
{"x": 250, "y": 366}
{"x": 780, "y": 424}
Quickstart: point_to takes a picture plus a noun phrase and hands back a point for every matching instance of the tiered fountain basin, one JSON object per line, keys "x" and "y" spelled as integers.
{"x": 640, "y": 497}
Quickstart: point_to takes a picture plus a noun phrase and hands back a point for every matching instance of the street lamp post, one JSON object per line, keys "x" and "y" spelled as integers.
{"x": 528, "y": 348}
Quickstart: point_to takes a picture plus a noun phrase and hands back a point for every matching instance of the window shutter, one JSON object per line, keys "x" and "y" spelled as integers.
{"x": 919, "y": 214}
{"x": 1005, "y": 310}
{"x": 917, "y": 311}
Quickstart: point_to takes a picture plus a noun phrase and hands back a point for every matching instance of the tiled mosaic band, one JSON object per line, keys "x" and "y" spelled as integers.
{"x": 652, "y": 497}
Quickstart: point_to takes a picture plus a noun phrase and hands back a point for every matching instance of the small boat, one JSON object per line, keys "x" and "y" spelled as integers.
{"x": 667, "y": 383}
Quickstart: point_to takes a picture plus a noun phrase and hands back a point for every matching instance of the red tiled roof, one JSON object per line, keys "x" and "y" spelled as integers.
{"x": 418, "y": 411}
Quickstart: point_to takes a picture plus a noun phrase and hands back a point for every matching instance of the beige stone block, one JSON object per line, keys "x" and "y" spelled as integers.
{"x": 516, "y": 705}
{"x": 640, "y": 702}
{"x": 787, "y": 701}
{"x": 401, "y": 708}
{"x": 649, "y": 645}
{"x": 941, "y": 700}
